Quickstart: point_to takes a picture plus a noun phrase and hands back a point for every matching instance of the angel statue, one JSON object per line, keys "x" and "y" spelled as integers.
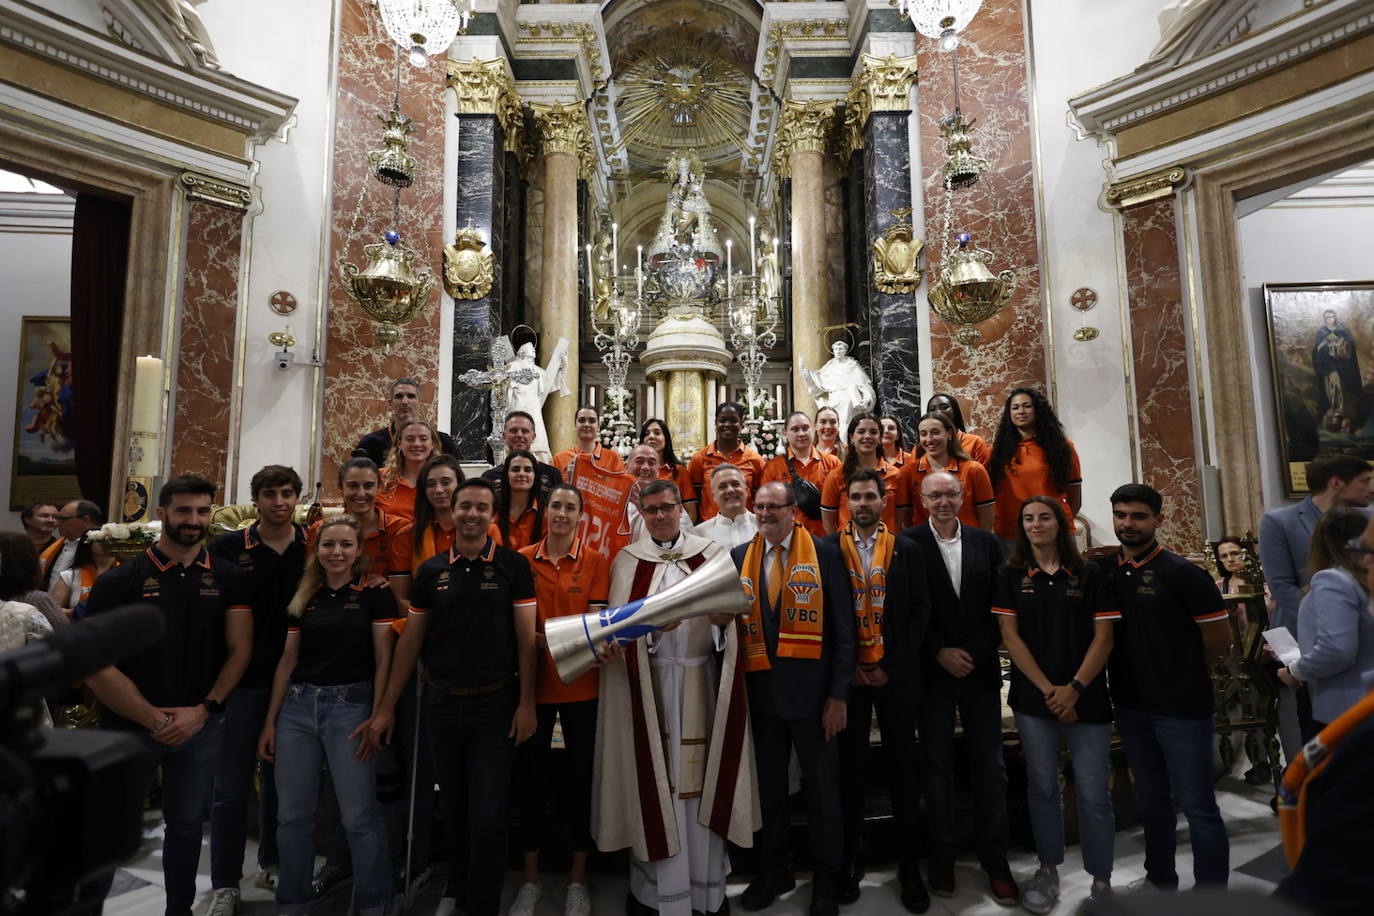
{"x": 530, "y": 396}
{"x": 841, "y": 384}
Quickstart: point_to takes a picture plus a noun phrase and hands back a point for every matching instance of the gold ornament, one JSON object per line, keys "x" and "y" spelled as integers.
{"x": 392, "y": 164}
{"x": 895, "y": 253}
{"x": 968, "y": 293}
{"x": 803, "y": 127}
{"x": 565, "y": 129}
{"x": 467, "y": 265}
{"x": 388, "y": 289}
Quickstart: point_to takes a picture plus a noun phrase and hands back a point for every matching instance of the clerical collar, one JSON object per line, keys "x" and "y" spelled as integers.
{"x": 668, "y": 545}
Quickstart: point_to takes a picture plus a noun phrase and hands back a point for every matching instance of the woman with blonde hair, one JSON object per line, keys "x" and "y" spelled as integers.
{"x": 416, "y": 442}
{"x": 338, "y": 648}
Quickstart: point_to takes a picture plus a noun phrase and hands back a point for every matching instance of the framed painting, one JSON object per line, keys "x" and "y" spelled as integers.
{"x": 44, "y": 463}
{"x": 1321, "y": 347}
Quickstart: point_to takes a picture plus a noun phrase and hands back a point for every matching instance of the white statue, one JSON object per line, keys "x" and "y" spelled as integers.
{"x": 530, "y": 396}
{"x": 770, "y": 282}
{"x": 841, "y": 384}
{"x": 187, "y": 24}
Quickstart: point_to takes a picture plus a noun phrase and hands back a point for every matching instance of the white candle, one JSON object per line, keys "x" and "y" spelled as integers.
{"x": 615, "y": 243}
{"x": 729, "y": 277}
{"x": 589, "y": 266}
{"x": 145, "y": 419}
{"x": 639, "y": 282}
{"x": 752, "y": 270}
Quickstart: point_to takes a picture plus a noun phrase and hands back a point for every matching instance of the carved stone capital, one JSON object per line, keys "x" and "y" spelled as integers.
{"x": 803, "y": 127}
{"x": 564, "y": 128}
{"x": 484, "y": 87}
{"x": 1138, "y": 190}
{"x": 216, "y": 191}
{"x": 882, "y": 84}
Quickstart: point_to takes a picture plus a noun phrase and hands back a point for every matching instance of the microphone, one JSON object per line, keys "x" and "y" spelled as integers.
{"x": 33, "y": 671}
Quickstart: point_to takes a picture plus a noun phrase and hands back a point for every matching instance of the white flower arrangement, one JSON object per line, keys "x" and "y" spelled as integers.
{"x": 118, "y": 531}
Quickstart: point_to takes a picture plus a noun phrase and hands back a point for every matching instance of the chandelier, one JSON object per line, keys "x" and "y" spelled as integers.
{"x": 425, "y": 27}
{"x": 942, "y": 20}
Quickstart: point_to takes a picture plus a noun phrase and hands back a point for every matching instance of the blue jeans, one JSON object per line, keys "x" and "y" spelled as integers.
{"x": 1088, "y": 746}
{"x": 244, "y": 713}
{"x": 188, "y": 771}
{"x": 980, "y": 713}
{"x": 473, "y": 758}
{"x": 1171, "y": 760}
{"x": 313, "y": 729}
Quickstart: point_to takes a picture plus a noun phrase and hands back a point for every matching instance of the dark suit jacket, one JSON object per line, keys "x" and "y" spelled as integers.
{"x": 965, "y": 620}
{"x": 906, "y": 615}
{"x": 799, "y": 687}
{"x": 377, "y": 446}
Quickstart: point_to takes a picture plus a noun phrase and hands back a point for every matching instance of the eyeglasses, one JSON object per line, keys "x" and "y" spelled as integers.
{"x": 771, "y": 507}
{"x": 1357, "y": 545}
{"x": 943, "y": 494}
{"x": 664, "y": 509}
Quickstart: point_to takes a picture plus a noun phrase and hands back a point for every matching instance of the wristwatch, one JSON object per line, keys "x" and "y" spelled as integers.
{"x": 213, "y": 707}
{"x": 1078, "y": 685}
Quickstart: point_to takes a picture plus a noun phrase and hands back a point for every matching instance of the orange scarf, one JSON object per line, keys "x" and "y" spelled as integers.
{"x": 802, "y": 623}
{"x": 870, "y": 590}
{"x": 1300, "y": 773}
{"x": 433, "y": 541}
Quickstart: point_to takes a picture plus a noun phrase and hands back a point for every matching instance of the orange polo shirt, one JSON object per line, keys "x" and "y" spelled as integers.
{"x": 396, "y": 495}
{"x": 703, "y": 462}
{"x": 833, "y": 494}
{"x": 681, "y": 478}
{"x": 977, "y": 447}
{"x": 1028, "y": 475}
{"x": 972, "y": 476}
{"x": 388, "y": 547}
{"x": 522, "y": 533}
{"x": 814, "y": 472}
{"x": 608, "y": 459}
{"x": 575, "y": 584}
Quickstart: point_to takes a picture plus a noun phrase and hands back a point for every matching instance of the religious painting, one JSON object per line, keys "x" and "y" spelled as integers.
{"x": 44, "y": 461}
{"x": 1321, "y": 343}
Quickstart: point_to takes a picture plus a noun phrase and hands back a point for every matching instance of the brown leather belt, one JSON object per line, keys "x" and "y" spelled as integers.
{"x": 473, "y": 691}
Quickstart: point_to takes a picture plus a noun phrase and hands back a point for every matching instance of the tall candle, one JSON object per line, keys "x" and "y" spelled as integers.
{"x": 615, "y": 243}
{"x": 752, "y": 269}
{"x": 729, "y": 276}
{"x": 145, "y": 419}
{"x": 589, "y": 266}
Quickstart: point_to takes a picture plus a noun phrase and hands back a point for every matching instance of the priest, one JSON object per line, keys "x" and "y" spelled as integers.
{"x": 674, "y": 772}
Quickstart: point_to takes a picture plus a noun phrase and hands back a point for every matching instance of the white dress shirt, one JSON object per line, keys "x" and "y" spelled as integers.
{"x": 952, "y": 550}
{"x": 730, "y": 533}
{"x": 62, "y": 561}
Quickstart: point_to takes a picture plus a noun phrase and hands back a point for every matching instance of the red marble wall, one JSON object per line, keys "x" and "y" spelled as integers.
{"x": 1159, "y": 344}
{"x": 205, "y": 348}
{"x": 999, "y": 211}
{"x": 356, "y": 374}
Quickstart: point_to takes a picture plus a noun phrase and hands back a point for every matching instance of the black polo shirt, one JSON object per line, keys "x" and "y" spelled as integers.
{"x": 336, "y": 631}
{"x": 1056, "y": 614}
{"x": 271, "y": 580}
{"x": 1158, "y": 665}
{"x": 470, "y": 607}
{"x": 377, "y": 445}
{"x": 546, "y": 474}
{"x": 183, "y": 666}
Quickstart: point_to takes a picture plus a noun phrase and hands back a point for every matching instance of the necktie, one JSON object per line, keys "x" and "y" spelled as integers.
{"x": 775, "y": 576}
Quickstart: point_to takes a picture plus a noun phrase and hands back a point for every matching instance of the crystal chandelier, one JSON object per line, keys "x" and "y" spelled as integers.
{"x": 942, "y": 20}
{"x": 425, "y": 27}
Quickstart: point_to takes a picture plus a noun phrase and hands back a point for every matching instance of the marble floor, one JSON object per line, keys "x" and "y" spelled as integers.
{"x": 1252, "y": 827}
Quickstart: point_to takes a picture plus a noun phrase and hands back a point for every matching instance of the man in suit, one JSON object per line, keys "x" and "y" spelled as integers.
{"x": 798, "y": 647}
{"x": 891, "y": 611}
{"x": 962, "y": 673}
{"x": 1285, "y": 534}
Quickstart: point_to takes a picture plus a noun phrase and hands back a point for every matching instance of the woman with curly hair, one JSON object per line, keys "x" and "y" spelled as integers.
{"x": 654, "y": 433}
{"x": 1032, "y": 456}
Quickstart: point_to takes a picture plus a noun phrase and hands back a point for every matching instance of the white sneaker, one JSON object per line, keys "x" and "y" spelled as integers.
{"x": 525, "y": 900}
{"x": 1041, "y": 892}
{"x": 448, "y": 906}
{"x": 224, "y": 902}
{"x": 579, "y": 903}
{"x": 263, "y": 878}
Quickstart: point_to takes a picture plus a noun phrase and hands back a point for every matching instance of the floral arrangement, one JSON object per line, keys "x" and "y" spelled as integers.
{"x": 125, "y": 541}
{"x": 761, "y": 430}
{"x": 617, "y": 429}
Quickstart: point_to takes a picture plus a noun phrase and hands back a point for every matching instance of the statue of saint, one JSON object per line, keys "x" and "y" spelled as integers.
{"x": 770, "y": 278}
{"x": 685, "y": 231}
{"x": 841, "y": 384}
{"x": 181, "y": 15}
{"x": 530, "y": 396}
{"x": 603, "y": 276}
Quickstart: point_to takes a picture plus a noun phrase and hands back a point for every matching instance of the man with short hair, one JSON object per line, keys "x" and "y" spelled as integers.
{"x": 1285, "y": 535}
{"x": 891, "y": 612}
{"x": 518, "y": 434}
{"x": 40, "y": 521}
{"x": 798, "y": 650}
{"x": 588, "y": 423}
{"x": 643, "y": 463}
{"x": 733, "y": 524}
{"x": 172, "y": 696}
{"x": 73, "y": 521}
{"x": 675, "y": 779}
{"x": 471, "y": 618}
{"x": 963, "y": 675}
{"x": 1173, "y": 623}
{"x": 405, "y": 405}
{"x": 271, "y": 552}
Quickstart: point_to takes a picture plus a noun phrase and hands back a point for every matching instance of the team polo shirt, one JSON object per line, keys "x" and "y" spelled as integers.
{"x": 574, "y": 584}
{"x": 396, "y": 496}
{"x": 608, "y": 459}
{"x": 1158, "y": 664}
{"x": 470, "y": 611}
{"x": 194, "y": 600}
{"x": 833, "y": 495}
{"x": 1056, "y": 614}
{"x": 271, "y": 580}
{"x": 1027, "y": 475}
{"x": 547, "y": 475}
{"x": 814, "y": 471}
{"x": 973, "y": 477}
{"x": 522, "y": 533}
{"x": 703, "y": 462}
{"x": 387, "y": 548}
{"x": 976, "y": 447}
{"x": 335, "y": 630}
{"x": 682, "y": 479}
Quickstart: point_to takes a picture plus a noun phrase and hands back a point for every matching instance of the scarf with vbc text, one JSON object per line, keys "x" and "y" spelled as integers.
{"x": 802, "y": 620}
{"x": 869, "y": 591}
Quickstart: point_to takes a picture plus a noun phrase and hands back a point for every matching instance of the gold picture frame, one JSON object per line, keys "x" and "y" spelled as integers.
{"x": 43, "y": 463}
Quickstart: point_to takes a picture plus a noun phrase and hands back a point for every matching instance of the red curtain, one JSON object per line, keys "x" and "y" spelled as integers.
{"x": 100, "y": 261}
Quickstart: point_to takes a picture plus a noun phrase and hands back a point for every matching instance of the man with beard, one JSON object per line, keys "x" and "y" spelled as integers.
{"x": 171, "y": 696}
{"x": 1172, "y": 623}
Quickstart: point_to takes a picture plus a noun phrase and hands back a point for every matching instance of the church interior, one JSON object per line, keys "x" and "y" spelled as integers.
{"x": 235, "y": 222}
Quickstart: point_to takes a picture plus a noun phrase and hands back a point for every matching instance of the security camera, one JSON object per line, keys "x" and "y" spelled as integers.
{"x": 283, "y": 359}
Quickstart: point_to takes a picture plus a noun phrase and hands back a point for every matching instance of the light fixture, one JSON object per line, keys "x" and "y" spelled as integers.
{"x": 942, "y": 20}
{"x": 425, "y": 27}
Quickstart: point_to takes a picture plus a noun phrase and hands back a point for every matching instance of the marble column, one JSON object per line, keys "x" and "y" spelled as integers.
{"x": 566, "y": 142}
{"x": 488, "y": 117}
{"x": 801, "y": 149}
